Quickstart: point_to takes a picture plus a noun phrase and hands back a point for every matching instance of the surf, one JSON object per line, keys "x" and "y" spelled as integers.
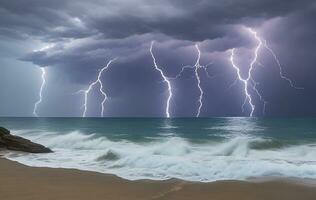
{"x": 237, "y": 157}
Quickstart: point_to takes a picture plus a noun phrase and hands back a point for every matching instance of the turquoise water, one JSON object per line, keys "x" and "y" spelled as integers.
{"x": 204, "y": 149}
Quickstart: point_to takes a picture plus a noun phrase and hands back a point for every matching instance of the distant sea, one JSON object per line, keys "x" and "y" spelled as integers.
{"x": 204, "y": 149}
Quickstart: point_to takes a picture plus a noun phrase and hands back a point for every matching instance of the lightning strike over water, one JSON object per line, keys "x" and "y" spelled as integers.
{"x": 40, "y": 92}
{"x": 101, "y": 89}
{"x": 165, "y": 79}
{"x": 249, "y": 81}
{"x": 196, "y": 70}
{"x": 245, "y": 82}
{"x": 197, "y": 66}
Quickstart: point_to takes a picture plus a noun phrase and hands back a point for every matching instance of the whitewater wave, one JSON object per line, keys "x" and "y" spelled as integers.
{"x": 236, "y": 158}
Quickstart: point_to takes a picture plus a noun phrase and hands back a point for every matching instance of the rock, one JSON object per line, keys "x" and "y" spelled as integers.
{"x": 16, "y": 143}
{"x": 4, "y": 131}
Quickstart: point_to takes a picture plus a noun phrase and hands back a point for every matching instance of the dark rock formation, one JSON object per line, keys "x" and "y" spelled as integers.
{"x": 16, "y": 143}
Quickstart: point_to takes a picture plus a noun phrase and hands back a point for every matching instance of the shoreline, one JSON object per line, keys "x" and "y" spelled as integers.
{"x": 300, "y": 181}
{"x": 22, "y": 182}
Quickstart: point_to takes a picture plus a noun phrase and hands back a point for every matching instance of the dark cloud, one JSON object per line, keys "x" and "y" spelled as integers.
{"x": 188, "y": 19}
{"x": 75, "y": 38}
{"x": 193, "y": 20}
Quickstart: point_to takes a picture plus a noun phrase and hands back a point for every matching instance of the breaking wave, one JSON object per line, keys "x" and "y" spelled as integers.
{"x": 238, "y": 158}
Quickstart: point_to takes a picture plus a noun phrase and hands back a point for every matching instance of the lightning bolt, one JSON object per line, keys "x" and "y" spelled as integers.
{"x": 101, "y": 90}
{"x": 196, "y": 71}
{"x": 197, "y": 66}
{"x": 245, "y": 82}
{"x": 165, "y": 79}
{"x": 40, "y": 92}
{"x": 249, "y": 81}
{"x": 254, "y": 87}
{"x": 281, "y": 73}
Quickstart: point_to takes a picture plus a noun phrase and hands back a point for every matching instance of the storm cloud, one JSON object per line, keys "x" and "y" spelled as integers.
{"x": 73, "y": 39}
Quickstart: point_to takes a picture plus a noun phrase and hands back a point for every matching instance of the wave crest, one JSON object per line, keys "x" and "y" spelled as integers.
{"x": 237, "y": 157}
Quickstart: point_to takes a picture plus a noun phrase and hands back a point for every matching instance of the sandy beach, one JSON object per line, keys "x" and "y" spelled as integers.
{"x": 19, "y": 182}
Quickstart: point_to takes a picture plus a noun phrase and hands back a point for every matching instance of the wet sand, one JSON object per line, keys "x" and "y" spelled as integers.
{"x": 19, "y": 182}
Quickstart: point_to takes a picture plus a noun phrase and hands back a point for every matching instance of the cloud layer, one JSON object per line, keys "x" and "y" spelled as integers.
{"x": 75, "y": 38}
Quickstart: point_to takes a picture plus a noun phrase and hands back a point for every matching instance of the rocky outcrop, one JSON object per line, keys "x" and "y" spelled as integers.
{"x": 16, "y": 143}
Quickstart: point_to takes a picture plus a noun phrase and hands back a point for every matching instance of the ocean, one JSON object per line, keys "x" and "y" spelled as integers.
{"x": 192, "y": 149}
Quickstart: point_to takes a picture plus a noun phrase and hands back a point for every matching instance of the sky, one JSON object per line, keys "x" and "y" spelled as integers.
{"x": 73, "y": 39}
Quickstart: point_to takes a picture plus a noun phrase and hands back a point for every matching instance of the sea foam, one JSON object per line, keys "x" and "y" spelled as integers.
{"x": 232, "y": 158}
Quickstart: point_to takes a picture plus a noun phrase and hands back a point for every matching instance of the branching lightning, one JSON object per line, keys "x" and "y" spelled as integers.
{"x": 165, "y": 79}
{"x": 196, "y": 70}
{"x": 245, "y": 82}
{"x": 248, "y": 82}
{"x": 40, "y": 92}
{"x": 101, "y": 89}
{"x": 280, "y": 67}
{"x": 197, "y": 66}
